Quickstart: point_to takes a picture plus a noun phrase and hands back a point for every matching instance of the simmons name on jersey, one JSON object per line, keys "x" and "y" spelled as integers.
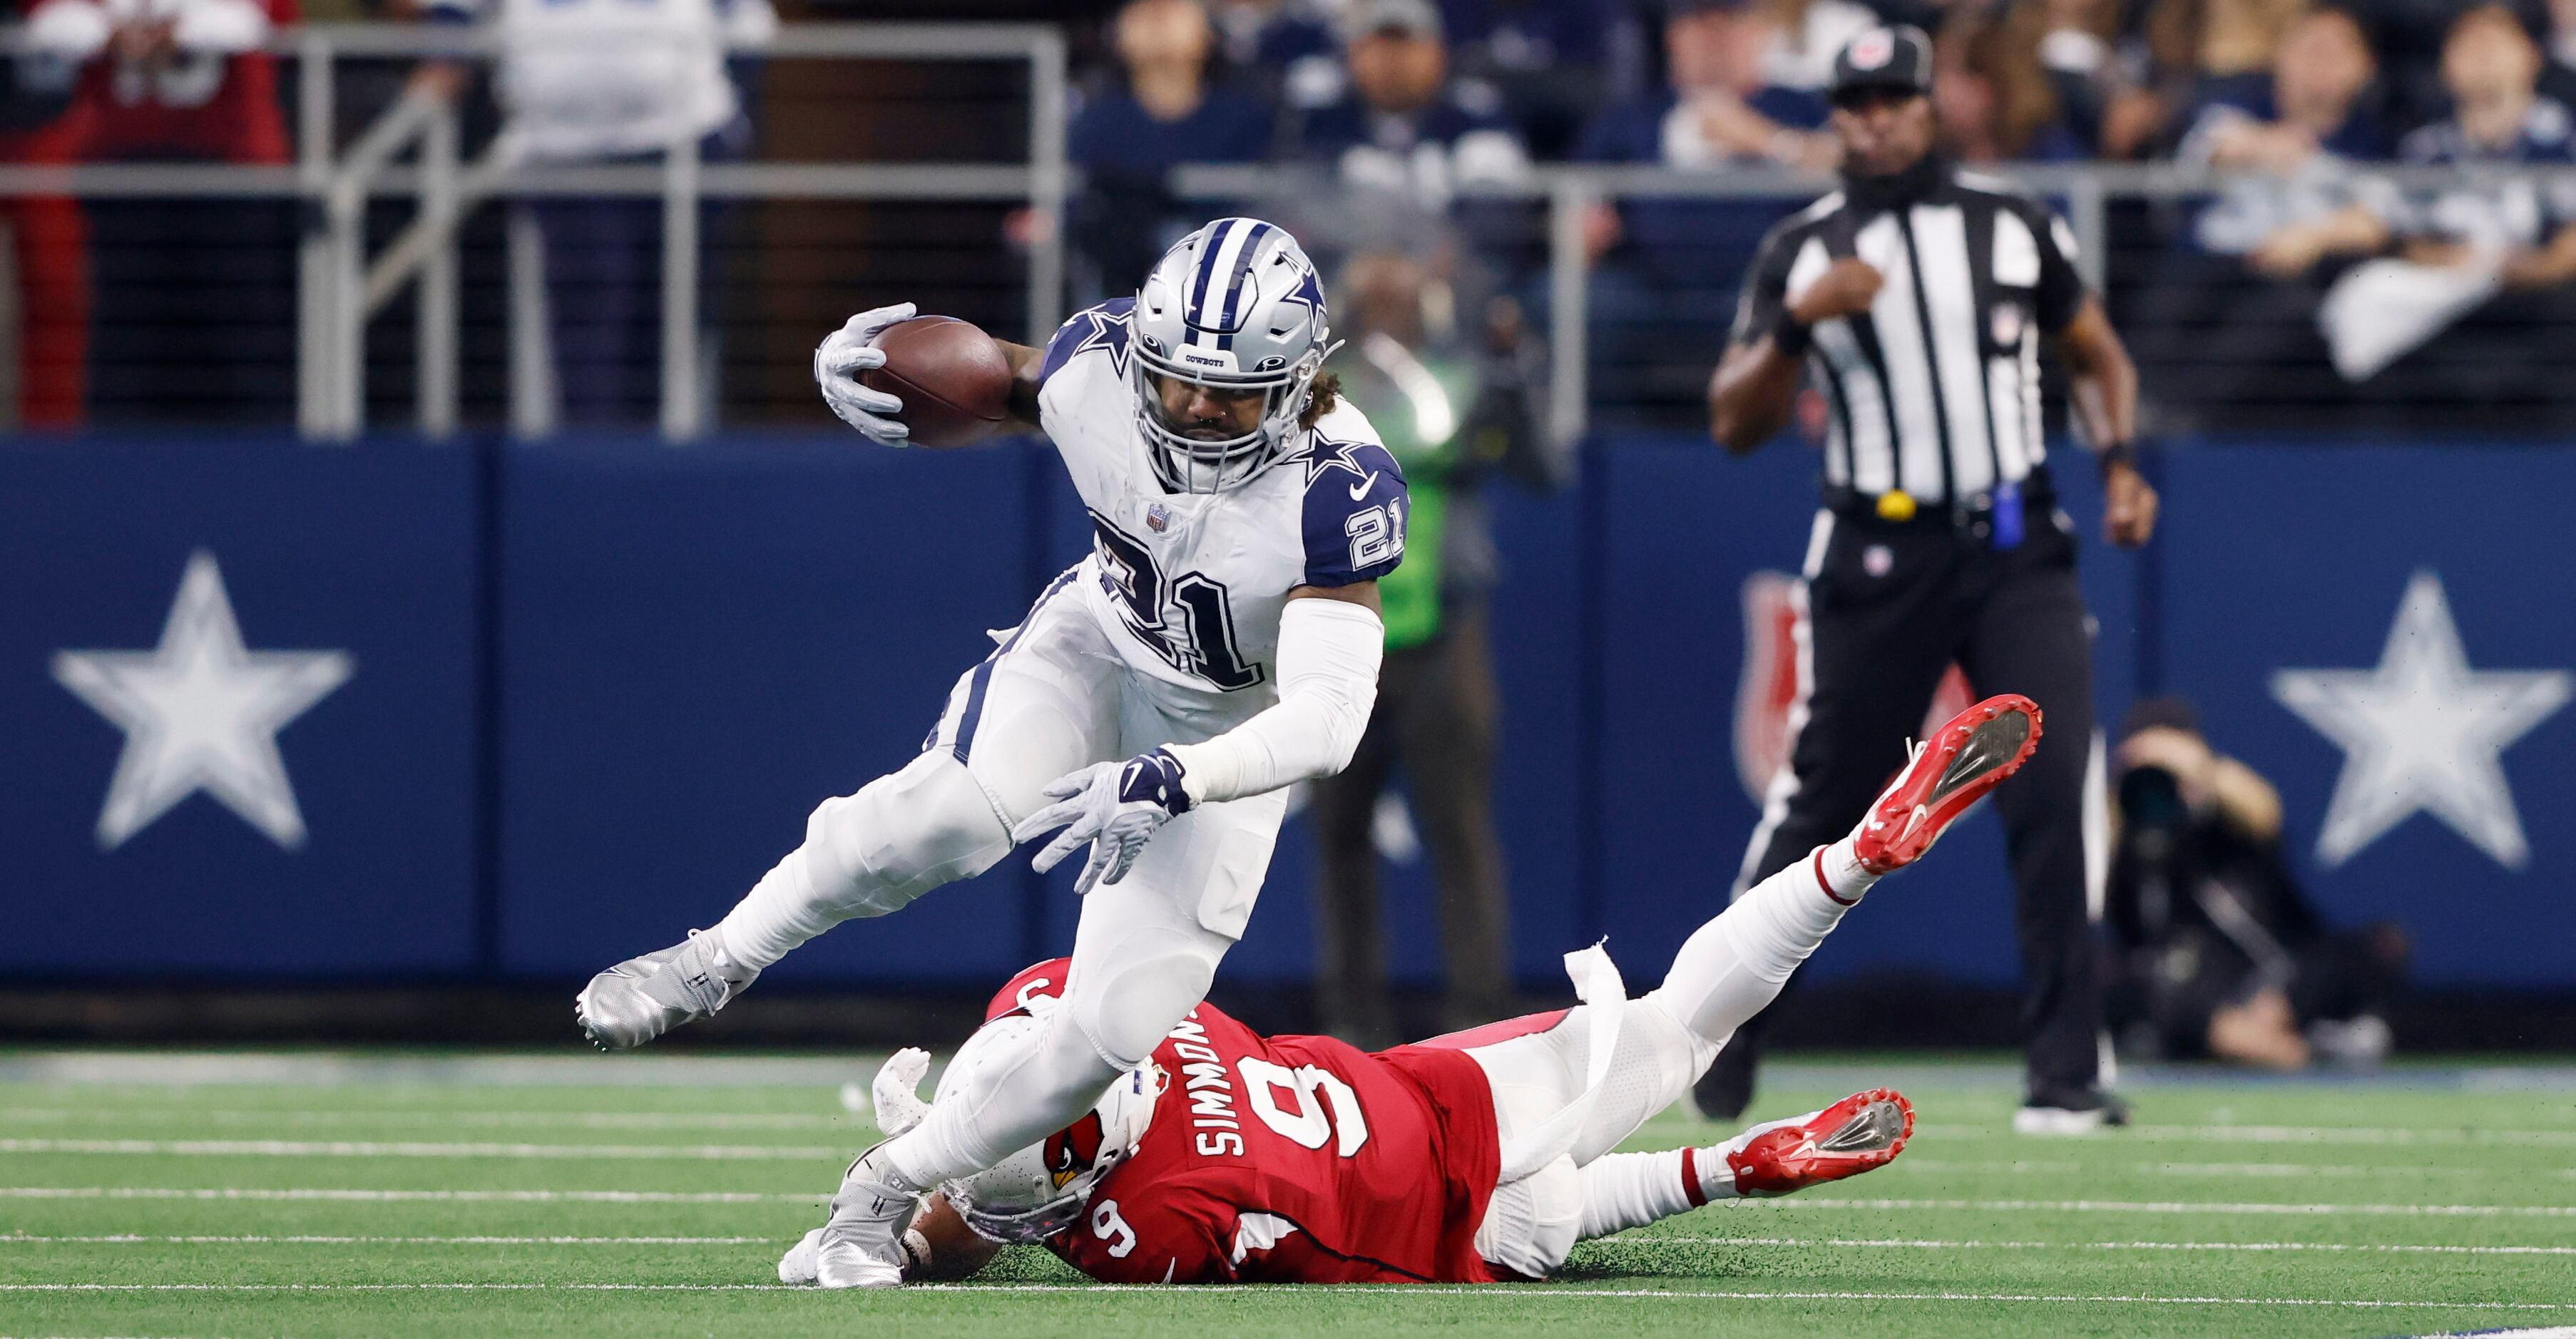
{"x": 1199, "y": 578}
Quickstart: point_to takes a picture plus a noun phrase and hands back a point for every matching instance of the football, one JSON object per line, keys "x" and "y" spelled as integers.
{"x": 952, "y": 378}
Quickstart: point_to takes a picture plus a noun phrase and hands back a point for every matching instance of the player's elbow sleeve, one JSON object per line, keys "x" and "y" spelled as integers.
{"x": 1329, "y": 655}
{"x": 1329, "y": 652}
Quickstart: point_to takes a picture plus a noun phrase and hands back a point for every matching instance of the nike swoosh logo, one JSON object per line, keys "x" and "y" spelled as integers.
{"x": 1360, "y": 490}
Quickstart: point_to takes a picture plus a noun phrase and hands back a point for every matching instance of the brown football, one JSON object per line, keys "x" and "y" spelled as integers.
{"x": 952, "y": 378}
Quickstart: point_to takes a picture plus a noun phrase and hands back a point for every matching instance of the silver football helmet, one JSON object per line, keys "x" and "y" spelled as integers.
{"x": 1235, "y": 306}
{"x": 1040, "y": 1190}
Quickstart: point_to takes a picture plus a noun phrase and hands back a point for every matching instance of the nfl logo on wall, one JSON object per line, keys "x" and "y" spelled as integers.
{"x": 1767, "y": 696}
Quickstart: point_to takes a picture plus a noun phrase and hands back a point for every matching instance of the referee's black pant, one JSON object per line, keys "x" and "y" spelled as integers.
{"x": 1889, "y": 607}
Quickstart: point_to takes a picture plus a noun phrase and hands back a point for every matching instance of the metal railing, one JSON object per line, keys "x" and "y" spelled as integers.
{"x": 412, "y": 151}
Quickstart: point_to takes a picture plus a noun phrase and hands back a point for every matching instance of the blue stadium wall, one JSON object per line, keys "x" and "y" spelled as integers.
{"x": 597, "y": 684}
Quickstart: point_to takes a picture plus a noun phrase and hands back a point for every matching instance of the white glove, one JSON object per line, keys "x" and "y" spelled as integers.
{"x": 897, "y": 1090}
{"x": 797, "y": 1266}
{"x": 1114, "y": 806}
{"x": 844, "y": 354}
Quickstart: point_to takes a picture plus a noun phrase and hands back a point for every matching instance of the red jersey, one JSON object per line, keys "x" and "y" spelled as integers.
{"x": 1290, "y": 1160}
{"x": 200, "y": 107}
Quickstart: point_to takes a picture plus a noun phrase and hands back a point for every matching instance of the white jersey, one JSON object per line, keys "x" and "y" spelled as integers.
{"x": 586, "y": 79}
{"x": 1198, "y": 579}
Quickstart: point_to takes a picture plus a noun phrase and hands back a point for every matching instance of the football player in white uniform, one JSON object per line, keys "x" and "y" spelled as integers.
{"x": 1220, "y": 642}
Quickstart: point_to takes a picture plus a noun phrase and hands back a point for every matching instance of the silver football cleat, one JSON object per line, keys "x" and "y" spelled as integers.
{"x": 862, "y": 1245}
{"x": 642, "y": 998}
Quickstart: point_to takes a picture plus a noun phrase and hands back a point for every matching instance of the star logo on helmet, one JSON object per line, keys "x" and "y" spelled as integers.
{"x": 1309, "y": 293}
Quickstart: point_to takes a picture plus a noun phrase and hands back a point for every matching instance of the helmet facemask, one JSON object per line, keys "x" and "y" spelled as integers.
{"x": 1235, "y": 308}
{"x": 1194, "y": 460}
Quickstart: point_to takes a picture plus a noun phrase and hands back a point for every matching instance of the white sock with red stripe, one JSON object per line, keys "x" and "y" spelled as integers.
{"x": 1625, "y": 1190}
{"x": 1840, "y": 873}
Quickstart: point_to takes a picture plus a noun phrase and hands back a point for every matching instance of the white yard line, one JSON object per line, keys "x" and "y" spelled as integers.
{"x": 367, "y": 1148}
{"x": 2182, "y": 1206}
{"x": 137, "y": 1239}
{"x": 2383, "y": 1171}
{"x": 1400, "y": 1290}
{"x": 388, "y": 1196}
{"x": 1907, "y": 1243}
{"x": 2292, "y": 1134}
{"x": 576, "y": 1120}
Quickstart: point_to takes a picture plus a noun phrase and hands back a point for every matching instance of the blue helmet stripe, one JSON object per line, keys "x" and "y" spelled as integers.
{"x": 1242, "y": 271}
{"x": 1194, "y": 311}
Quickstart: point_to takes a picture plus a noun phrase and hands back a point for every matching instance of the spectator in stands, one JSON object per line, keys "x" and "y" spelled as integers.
{"x": 2216, "y": 951}
{"x": 2525, "y": 230}
{"x": 1546, "y": 65}
{"x": 193, "y": 314}
{"x": 1666, "y": 270}
{"x": 1805, "y": 35}
{"x": 2295, "y": 135}
{"x": 2458, "y": 247}
{"x": 2188, "y": 44}
{"x": 1402, "y": 129}
{"x": 1993, "y": 96}
{"x": 1128, "y": 139}
{"x": 2296, "y": 145}
{"x": 1283, "y": 52}
{"x": 610, "y": 82}
{"x": 1458, "y": 408}
{"x": 49, "y": 239}
{"x": 2095, "y": 79}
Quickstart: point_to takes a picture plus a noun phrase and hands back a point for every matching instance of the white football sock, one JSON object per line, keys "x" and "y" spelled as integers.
{"x": 1625, "y": 1190}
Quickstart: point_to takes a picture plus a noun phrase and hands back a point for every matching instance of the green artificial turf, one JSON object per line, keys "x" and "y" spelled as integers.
{"x": 2430, "y": 1200}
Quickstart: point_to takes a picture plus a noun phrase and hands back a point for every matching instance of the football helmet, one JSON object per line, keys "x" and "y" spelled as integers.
{"x": 1040, "y": 1190}
{"x": 1234, "y": 307}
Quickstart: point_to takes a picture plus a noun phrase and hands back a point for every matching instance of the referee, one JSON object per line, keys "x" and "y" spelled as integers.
{"x": 1917, "y": 296}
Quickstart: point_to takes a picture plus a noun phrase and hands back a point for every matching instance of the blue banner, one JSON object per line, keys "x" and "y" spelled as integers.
{"x": 277, "y": 712}
{"x": 237, "y": 690}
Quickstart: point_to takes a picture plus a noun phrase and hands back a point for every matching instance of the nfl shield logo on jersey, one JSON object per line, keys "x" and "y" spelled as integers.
{"x": 1158, "y": 518}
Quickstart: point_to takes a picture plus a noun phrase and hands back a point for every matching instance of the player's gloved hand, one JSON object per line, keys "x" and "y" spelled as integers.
{"x": 844, "y": 354}
{"x": 897, "y": 1090}
{"x": 1114, "y": 806}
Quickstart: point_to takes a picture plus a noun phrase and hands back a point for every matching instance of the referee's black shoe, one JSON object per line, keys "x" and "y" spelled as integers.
{"x": 2053, "y": 1109}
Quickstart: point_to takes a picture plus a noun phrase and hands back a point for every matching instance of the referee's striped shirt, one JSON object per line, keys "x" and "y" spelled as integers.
{"x": 1936, "y": 390}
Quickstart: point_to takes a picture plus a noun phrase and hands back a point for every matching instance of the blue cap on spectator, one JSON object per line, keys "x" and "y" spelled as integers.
{"x": 1413, "y": 18}
{"x": 1897, "y": 57}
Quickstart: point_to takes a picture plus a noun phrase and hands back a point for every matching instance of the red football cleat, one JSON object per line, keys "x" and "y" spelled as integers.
{"x": 1952, "y": 770}
{"x": 1857, "y": 1134}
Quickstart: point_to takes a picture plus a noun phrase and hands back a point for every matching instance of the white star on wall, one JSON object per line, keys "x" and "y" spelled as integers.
{"x": 200, "y": 712}
{"x": 2423, "y": 731}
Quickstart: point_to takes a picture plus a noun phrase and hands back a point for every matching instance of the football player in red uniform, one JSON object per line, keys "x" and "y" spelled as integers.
{"x": 1475, "y": 1157}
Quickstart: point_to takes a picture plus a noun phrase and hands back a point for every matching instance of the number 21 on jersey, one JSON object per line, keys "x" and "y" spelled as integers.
{"x": 1188, "y": 619}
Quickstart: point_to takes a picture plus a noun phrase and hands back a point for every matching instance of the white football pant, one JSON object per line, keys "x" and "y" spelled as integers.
{"x": 1054, "y": 698}
{"x": 1724, "y": 974}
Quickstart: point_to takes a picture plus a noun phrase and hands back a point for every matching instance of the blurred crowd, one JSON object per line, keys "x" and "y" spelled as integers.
{"x": 2311, "y": 255}
{"x": 2312, "y": 272}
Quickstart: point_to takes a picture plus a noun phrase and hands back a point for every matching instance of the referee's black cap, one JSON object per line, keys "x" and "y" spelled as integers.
{"x": 1896, "y": 57}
